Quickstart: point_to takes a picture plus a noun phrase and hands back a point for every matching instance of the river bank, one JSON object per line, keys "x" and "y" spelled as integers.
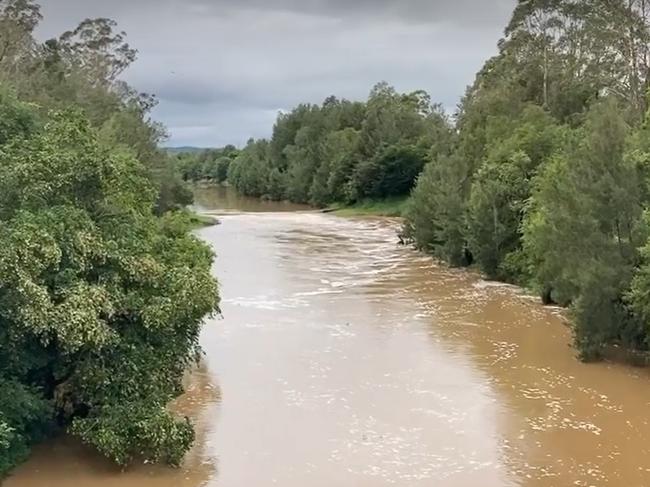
{"x": 200, "y": 220}
{"x": 223, "y": 195}
{"x": 389, "y": 207}
{"x": 345, "y": 359}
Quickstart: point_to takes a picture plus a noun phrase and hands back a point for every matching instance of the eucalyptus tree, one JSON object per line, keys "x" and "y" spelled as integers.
{"x": 18, "y": 19}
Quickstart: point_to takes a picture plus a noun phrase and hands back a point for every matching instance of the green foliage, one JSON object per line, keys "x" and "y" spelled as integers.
{"x": 582, "y": 234}
{"x": 392, "y": 207}
{"x": 249, "y": 171}
{"x": 24, "y": 419}
{"x": 206, "y": 165}
{"x": 435, "y": 217}
{"x": 101, "y": 301}
{"x": 587, "y": 194}
{"x": 392, "y": 171}
{"x": 342, "y": 154}
{"x": 129, "y": 129}
{"x": 342, "y": 151}
{"x": 502, "y": 186}
{"x": 80, "y": 69}
{"x": 548, "y": 179}
{"x": 638, "y": 296}
{"x": 16, "y": 119}
{"x": 150, "y": 433}
{"x": 495, "y": 209}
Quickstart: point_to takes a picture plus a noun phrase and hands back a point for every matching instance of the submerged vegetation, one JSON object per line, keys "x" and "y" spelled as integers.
{"x": 392, "y": 207}
{"x": 102, "y": 287}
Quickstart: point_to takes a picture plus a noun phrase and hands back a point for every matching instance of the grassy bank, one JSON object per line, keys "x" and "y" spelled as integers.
{"x": 200, "y": 221}
{"x": 393, "y": 207}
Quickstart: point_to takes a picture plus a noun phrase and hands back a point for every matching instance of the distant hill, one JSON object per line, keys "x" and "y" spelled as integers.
{"x": 185, "y": 149}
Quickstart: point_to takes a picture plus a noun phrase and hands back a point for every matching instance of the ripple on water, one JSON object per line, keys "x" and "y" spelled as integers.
{"x": 347, "y": 360}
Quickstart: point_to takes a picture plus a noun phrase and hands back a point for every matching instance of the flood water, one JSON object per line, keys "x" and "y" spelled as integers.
{"x": 345, "y": 360}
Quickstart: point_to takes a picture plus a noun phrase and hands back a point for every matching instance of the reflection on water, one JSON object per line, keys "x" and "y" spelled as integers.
{"x": 221, "y": 198}
{"x": 347, "y": 360}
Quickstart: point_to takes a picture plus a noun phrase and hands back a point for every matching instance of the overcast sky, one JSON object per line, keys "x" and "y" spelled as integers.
{"x": 222, "y": 69}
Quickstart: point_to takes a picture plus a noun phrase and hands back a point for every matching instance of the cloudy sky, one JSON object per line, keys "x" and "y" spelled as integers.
{"x": 222, "y": 69}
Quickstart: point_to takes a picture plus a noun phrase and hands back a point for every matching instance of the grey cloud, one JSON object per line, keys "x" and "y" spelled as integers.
{"x": 462, "y": 12}
{"x": 425, "y": 11}
{"x": 223, "y": 68}
{"x": 420, "y": 11}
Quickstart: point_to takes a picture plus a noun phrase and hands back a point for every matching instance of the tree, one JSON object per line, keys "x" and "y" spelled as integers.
{"x": 249, "y": 172}
{"x": 582, "y": 232}
{"x": 502, "y": 186}
{"x": 16, "y": 119}
{"x": 80, "y": 68}
{"x": 304, "y": 158}
{"x": 568, "y": 52}
{"x": 342, "y": 151}
{"x": 97, "y": 50}
{"x": 130, "y": 128}
{"x": 101, "y": 302}
{"x": 18, "y": 19}
{"x": 494, "y": 213}
{"x": 435, "y": 217}
{"x": 391, "y": 172}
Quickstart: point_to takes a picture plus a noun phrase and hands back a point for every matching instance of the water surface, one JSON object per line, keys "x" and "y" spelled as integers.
{"x": 344, "y": 359}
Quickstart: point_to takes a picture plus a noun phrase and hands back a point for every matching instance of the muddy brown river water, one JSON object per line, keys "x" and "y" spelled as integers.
{"x": 345, "y": 360}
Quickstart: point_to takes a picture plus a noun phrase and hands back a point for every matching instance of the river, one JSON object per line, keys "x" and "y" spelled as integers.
{"x": 343, "y": 359}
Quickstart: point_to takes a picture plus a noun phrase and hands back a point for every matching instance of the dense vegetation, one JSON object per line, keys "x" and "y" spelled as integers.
{"x": 102, "y": 288}
{"x": 541, "y": 179}
{"x": 339, "y": 151}
{"x": 210, "y": 165}
{"x": 547, "y": 185}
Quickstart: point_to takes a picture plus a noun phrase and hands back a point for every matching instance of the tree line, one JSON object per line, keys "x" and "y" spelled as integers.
{"x": 210, "y": 165}
{"x": 541, "y": 177}
{"x": 102, "y": 287}
{"x": 547, "y": 185}
{"x": 340, "y": 151}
